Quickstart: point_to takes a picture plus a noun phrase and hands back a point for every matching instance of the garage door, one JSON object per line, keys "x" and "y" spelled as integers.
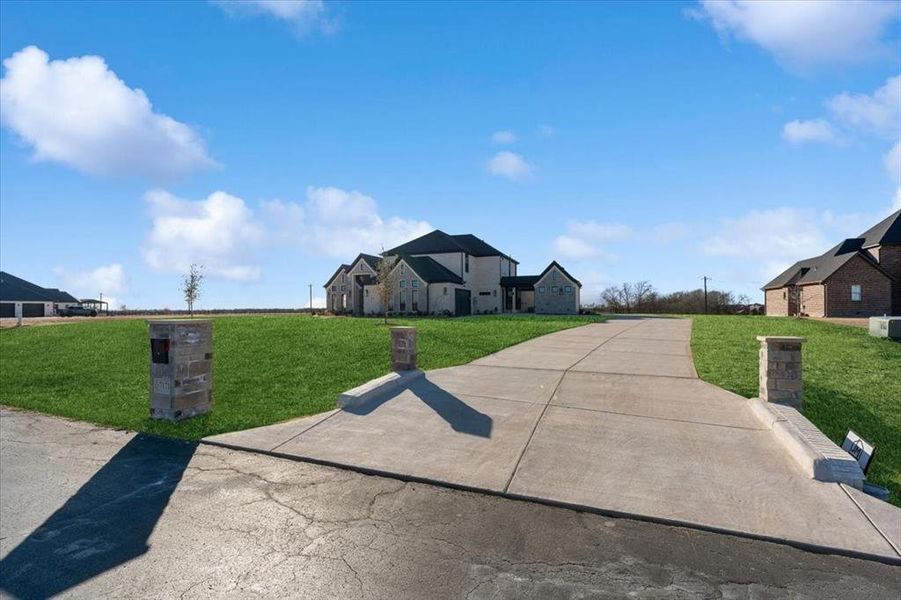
{"x": 462, "y": 303}
{"x": 7, "y": 310}
{"x": 32, "y": 309}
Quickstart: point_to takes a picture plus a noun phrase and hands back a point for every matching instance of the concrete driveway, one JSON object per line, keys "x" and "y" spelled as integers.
{"x": 608, "y": 417}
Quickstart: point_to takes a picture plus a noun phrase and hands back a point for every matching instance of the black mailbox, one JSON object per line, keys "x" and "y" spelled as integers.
{"x": 159, "y": 351}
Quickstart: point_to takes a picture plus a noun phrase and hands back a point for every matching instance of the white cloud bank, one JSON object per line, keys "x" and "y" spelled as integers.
{"x": 892, "y": 161}
{"x": 108, "y": 280}
{"x": 78, "y": 112}
{"x": 878, "y": 113}
{"x": 338, "y": 223}
{"x": 776, "y": 238}
{"x": 510, "y": 165}
{"x": 303, "y": 15}
{"x": 583, "y": 238}
{"x": 221, "y": 233}
{"x": 803, "y": 132}
{"x": 806, "y": 33}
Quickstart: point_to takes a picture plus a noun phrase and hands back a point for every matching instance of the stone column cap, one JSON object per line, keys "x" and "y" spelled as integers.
{"x": 780, "y": 338}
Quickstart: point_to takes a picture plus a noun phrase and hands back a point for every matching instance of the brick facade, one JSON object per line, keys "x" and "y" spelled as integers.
{"x": 777, "y": 302}
{"x": 876, "y": 290}
{"x": 812, "y": 299}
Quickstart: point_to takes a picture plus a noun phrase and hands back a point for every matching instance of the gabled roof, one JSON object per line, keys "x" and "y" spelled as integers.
{"x": 372, "y": 261}
{"x": 887, "y": 231}
{"x": 335, "y": 274}
{"x": 430, "y": 270}
{"x": 14, "y": 288}
{"x": 438, "y": 242}
{"x": 820, "y": 268}
{"x": 553, "y": 264}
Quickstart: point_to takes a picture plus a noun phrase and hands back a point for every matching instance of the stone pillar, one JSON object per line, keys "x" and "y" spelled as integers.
{"x": 780, "y": 370}
{"x": 404, "y": 348}
{"x": 181, "y": 368}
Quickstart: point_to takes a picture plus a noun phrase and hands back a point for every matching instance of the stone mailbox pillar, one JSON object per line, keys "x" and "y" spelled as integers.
{"x": 404, "y": 348}
{"x": 780, "y": 370}
{"x": 181, "y": 368}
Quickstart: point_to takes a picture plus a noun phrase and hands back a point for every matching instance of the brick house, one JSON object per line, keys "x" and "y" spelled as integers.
{"x": 439, "y": 273}
{"x": 859, "y": 277}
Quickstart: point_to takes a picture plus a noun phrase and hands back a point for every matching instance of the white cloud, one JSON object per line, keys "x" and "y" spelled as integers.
{"x": 109, "y": 280}
{"x": 879, "y": 112}
{"x": 302, "y": 15}
{"x": 78, "y": 112}
{"x": 775, "y": 238}
{"x": 503, "y": 137}
{"x": 802, "y": 33}
{"x": 582, "y": 238}
{"x": 318, "y": 302}
{"x": 339, "y": 223}
{"x": 510, "y": 165}
{"x": 802, "y": 132}
{"x": 568, "y": 246}
{"x": 220, "y": 233}
{"x": 892, "y": 160}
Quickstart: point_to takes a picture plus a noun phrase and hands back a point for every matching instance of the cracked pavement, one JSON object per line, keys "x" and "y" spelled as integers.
{"x": 87, "y": 512}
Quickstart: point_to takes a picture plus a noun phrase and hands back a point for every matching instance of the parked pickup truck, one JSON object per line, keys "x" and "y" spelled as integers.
{"x": 77, "y": 311}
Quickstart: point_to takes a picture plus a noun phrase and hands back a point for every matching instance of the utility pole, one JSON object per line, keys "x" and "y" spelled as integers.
{"x": 706, "y": 279}
{"x": 101, "y": 304}
{"x": 311, "y": 297}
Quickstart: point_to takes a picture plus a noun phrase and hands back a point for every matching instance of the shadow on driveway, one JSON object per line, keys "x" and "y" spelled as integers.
{"x": 460, "y": 416}
{"x": 105, "y": 524}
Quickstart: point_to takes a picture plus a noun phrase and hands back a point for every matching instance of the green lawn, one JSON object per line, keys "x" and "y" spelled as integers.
{"x": 266, "y": 369}
{"x": 851, "y": 380}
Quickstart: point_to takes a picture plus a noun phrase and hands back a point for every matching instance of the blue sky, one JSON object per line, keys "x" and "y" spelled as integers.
{"x": 272, "y": 141}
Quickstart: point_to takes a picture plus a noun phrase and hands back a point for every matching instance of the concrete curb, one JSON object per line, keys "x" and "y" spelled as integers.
{"x": 363, "y": 393}
{"x": 818, "y": 456}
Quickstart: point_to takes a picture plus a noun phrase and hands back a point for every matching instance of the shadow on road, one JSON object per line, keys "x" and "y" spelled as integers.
{"x": 105, "y": 524}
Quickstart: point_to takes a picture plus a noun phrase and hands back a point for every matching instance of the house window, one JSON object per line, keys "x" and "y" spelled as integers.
{"x": 403, "y": 269}
{"x": 414, "y": 283}
{"x": 402, "y": 301}
{"x": 494, "y": 293}
{"x": 567, "y": 289}
{"x": 466, "y": 263}
{"x": 415, "y": 301}
{"x": 366, "y": 291}
{"x": 403, "y": 283}
{"x": 554, "y": 289}
{"x": 784, "y": 296}
{"x": 343, "y": 288}
{"x": 484, "y": 293}
{"x": 334, "y": 288}
{"x": 540, "y": 289}
{"x": 856, "y": 293}
{"x": 445, "y": 290}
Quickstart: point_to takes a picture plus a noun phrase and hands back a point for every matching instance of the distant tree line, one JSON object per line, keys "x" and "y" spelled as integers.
{"x": 641, "y": 297}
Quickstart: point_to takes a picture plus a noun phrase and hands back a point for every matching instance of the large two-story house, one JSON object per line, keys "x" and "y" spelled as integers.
{"x": 450, "y": 274}
{"x": 859, "y": 277}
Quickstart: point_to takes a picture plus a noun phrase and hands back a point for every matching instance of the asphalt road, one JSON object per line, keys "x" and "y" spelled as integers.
{"x": 92, "y": 513}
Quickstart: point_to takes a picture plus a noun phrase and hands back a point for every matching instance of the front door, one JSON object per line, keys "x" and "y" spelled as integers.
{"x": 462, "y": 303}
